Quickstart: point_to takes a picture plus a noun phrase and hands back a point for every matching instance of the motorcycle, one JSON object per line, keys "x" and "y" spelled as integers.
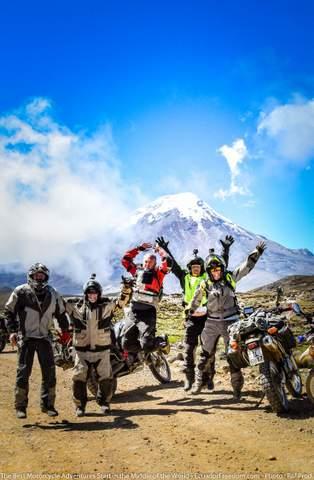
{"x": 306, "y": 359}
{"x": 263, "y": 339}
{"x": 122, "y": 362}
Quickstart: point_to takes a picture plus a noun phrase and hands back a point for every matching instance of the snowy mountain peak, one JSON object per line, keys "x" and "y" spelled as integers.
{"x": 187, "y": 205}
{"x": 188, "y": 222}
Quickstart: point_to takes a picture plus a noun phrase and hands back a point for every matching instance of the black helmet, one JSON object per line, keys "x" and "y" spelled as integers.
{"x": 92, "y": 284}
{"x": 196, "y": 261}
{"x": 214, "y": 260}
{"x": 38, "y": 268}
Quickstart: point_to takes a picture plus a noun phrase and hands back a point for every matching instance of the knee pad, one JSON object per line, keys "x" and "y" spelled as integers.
{"x": 205, "y": 362}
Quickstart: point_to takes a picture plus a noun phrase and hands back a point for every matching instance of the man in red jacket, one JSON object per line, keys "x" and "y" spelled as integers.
{"x": 140, "y": 327}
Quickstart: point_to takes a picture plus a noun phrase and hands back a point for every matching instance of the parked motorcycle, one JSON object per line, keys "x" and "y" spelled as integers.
{"x": 306, "y": 359}
{"x": 264, "y": 339}
{"x": 122, "y": 362}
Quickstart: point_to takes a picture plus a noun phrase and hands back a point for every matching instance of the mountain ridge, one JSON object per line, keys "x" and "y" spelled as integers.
{"x": 188, "y": 222}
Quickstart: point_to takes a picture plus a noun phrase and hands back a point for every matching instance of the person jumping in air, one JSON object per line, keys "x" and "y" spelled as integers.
{"x": 140, "y": 327}
{"x": 190, "y": 278}
{"x": 222, "y": 311}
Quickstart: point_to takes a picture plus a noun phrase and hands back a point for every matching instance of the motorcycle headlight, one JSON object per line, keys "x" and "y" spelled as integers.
{"x": 261, "y": 323}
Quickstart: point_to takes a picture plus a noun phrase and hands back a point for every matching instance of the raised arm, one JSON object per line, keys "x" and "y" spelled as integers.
{"x": 245, "y": 267}
{"x": 126, "y": 291}
{"x": 127, "y": 260}
{"x": 226, "y": 244}
{"x": 175, "y": 267}
{"x": 198, "y": 296}
{"x": 125, "y": 295}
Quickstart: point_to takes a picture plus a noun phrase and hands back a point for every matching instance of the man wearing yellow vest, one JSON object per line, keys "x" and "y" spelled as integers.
{"x": 222, "y": 311}
{"x": 190, "y": 279}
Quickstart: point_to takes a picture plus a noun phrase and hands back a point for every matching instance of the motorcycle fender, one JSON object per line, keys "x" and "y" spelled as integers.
{"x": 270, "y": 355}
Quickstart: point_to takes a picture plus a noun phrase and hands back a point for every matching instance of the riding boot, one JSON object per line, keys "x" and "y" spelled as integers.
{"x": 189, "y": 380}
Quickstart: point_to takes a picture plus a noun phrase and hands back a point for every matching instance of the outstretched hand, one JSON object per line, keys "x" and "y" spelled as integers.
{"x": 127, "y": 282}
{"x": 261, "y": 247}
{"x": 161, "y": 242}
{"x": 145, "y": 246}
{"x": 227, "y": 242}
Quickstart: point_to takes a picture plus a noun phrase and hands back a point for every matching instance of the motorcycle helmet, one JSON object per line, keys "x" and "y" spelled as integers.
{"x": 38, "y": 268}
{"x": 196, "y": 261}
{"x": 213, "y": 261}
{"x": 92, "y": 285}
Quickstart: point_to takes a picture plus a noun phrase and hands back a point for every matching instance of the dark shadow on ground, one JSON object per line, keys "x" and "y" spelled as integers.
{"x": 217, "y": 403}
{"x": 142, "y": 393}
{"x": 245, "y": 393}
{"x": 82, "y": 426}
{"x": 299, "y": 409}
{"x": 157, "y": 411}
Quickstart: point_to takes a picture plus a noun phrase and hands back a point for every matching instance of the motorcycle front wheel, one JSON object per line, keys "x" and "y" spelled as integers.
{"x": 309, "y": 385}
{"x": 159, "y": 367}
{"x": 273, "y": 388}
{"x": 294, "y": 383}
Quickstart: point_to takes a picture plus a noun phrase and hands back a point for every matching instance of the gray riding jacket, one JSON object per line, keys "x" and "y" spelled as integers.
{"x": 24, "y": 314}
{"x": 221, "y": 298}
{"x": 92, "y": 322}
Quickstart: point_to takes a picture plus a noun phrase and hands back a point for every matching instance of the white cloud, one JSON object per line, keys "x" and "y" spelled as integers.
{"x": 235, "y": 156}
{"x": 290, "y": 128}
{"x": 62, "y": 199}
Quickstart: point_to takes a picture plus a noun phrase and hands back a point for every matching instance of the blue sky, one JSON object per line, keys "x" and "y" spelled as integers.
{"x": 175, "y": 82}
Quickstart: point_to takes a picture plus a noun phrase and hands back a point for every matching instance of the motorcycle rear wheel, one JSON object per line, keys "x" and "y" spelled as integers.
{"x": 159, "y": 367}
{"x": 273, "y": 389}
{"x": 309, "y": 385}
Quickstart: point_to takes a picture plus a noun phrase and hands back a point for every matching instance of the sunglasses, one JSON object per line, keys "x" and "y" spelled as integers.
{"x": 215, "y": 269}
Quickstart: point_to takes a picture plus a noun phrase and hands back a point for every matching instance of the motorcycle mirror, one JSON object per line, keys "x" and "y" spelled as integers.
{"x": 279, "y": 294}
{"x": 296, "y": 308}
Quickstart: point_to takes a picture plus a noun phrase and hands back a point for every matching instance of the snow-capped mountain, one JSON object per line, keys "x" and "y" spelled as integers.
{"x": 188, "y": 223}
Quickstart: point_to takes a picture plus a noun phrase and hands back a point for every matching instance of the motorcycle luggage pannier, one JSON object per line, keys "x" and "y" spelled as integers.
{"x": 287, "y": 338}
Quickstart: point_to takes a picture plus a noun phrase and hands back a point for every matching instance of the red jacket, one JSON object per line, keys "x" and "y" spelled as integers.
{"x": 161, "y": 271}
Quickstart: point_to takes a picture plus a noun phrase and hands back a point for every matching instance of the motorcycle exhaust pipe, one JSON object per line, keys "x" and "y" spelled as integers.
{"x": 270, "y": 344}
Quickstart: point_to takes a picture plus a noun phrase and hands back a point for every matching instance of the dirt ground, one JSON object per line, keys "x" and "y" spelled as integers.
{"x": 155, "y": 429}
